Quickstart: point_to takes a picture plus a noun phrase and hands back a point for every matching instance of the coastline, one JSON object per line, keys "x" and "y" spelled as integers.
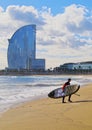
{"x": 45, "y": 72}
{"x": 51, "y": 114}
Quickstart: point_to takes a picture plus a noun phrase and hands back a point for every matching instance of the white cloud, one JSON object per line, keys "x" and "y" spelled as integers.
{"x": 65, "y": 37}
{"x": 26, "y": 14}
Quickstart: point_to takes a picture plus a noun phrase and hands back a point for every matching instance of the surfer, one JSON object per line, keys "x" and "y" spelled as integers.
{"x": 63, "y": 88}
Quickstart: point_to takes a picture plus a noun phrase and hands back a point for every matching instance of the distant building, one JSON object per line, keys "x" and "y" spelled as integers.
{"x": 67, "y": 66}
{"x": 22, "y": 50}
{"x": 83, "y": 65}
{"x": 79, "y": 65}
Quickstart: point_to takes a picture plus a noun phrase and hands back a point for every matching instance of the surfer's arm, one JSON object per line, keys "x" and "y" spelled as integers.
{"x": 67, "y": 83}
{"x": 63, "y": 87}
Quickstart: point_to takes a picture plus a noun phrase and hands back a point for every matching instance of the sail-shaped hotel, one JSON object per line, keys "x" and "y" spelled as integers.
{"x": 21, "y": 52}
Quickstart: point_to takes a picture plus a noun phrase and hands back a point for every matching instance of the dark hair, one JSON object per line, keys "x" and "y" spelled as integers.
{"x": 69, "y": 79}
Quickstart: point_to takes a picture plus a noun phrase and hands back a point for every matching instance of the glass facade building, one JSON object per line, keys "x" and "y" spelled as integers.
{"x": 22, "y": 49}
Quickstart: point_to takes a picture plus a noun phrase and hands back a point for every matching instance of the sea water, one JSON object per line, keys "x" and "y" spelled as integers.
{"x": 18, "y": 89}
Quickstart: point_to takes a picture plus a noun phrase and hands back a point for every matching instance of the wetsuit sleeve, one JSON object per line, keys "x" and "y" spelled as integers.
{"x": 64, "y": 86}
{"x": 67, "y": 83}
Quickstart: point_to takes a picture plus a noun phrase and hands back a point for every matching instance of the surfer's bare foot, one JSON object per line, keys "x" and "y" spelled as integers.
{"x": 63, "y": 102}
{"x": 69, "y": 101}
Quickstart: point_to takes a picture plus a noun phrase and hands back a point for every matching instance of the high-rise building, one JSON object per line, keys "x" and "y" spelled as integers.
{"x": 22, "y": 49}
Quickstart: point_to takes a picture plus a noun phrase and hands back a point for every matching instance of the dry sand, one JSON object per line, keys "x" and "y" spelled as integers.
{"x": 51, "y": 114}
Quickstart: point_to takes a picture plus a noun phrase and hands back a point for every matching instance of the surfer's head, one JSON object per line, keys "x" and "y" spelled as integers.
{"x": 69, "y": 79}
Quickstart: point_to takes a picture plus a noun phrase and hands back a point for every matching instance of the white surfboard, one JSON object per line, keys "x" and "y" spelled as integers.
{"x": 69, "y": 90}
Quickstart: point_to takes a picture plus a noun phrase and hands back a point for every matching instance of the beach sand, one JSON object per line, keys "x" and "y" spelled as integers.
{"x": 51, "y": 114}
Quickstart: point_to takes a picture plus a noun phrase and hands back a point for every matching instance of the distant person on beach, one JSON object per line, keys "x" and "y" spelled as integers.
{"x": 63, "y": 88}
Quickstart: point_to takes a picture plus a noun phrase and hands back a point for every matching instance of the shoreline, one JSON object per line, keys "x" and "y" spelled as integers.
{"x": 19, "y": 98}
{"x": 18, "y": 104}
{"x": 32, "y": 73}
{"x": 51, "y": 114}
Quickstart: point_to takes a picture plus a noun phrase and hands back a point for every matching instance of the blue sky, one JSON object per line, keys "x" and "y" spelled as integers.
{"x": 64, "y": 28}
{"x": 55, "y": 5}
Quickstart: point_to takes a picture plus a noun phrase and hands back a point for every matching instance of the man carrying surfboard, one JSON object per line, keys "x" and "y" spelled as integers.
{"x": 63, "y": 88}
